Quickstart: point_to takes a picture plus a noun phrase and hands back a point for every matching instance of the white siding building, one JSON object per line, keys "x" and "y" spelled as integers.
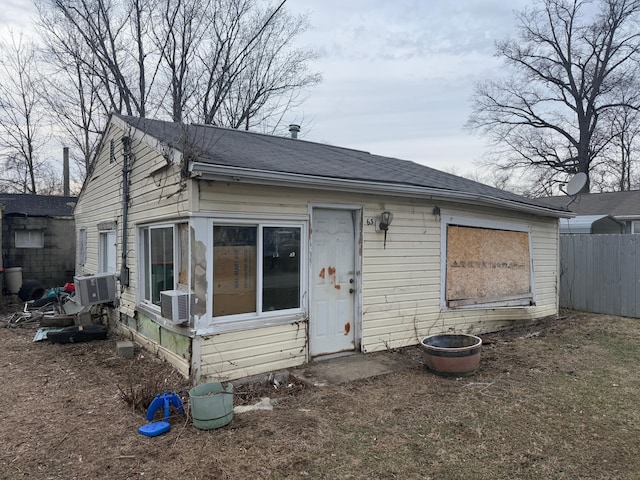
{"x": 276, "y": 248}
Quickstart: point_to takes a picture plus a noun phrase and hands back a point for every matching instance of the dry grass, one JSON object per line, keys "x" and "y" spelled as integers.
{"x": 554, "y": 400}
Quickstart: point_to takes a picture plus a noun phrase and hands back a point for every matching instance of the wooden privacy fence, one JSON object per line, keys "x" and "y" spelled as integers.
{"x": 600, "y": 273}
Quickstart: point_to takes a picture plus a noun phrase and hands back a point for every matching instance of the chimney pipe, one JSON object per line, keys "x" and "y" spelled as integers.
{"x": 294, "y": 129}
{"x": 65, "y": 171}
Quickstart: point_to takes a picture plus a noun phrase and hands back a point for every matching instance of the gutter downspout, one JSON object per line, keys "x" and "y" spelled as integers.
{"x": 124, "y": 270}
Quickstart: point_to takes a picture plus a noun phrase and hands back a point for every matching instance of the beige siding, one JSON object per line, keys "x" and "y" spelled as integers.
{"x": 100, "y": 201}
{"x": 152, "y": 197}
{"x": 394, "y": 312}
{"x": 401, "y": 283}
{"x": 250, "y": 352}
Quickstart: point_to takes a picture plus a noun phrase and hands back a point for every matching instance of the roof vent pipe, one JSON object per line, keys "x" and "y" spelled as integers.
{"x": 294, "y": 129}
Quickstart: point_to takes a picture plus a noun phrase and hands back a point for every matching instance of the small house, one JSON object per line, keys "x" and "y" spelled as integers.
{"x": 237, "y": 253}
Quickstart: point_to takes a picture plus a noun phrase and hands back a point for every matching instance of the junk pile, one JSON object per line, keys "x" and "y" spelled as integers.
{"x": 60, "y": 318}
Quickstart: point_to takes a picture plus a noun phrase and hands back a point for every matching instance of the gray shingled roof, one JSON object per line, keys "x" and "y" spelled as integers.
{"x": 617, "y": 204}
{"x": 249, "y": 150}
{"x": 27, "y": 205}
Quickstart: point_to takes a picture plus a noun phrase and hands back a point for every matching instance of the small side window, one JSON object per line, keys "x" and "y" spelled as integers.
{"x": 29, "y": 239}
{"x": 107, "y": 261}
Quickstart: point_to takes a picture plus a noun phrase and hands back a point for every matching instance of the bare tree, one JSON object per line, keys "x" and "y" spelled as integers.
{"x": 569, "y": 65}
{"x": 228, "y": 62}
{"x": 625, "y": 142}
{"x": 22, "y": 120}
{"x": 179, "y": 28}
{"x": 252, "y": 70}
{"x": 114, "y": 35}
{"x": 273, "y": 75}
{"x": 74, "y": 98}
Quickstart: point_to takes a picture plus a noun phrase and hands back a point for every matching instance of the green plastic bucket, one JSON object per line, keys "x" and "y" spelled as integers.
{"x": 211, "y": 405}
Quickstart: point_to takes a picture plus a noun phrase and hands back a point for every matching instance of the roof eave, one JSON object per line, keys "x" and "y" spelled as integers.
{"x": 225, "y": 173}
{"x": 625, "y": 218}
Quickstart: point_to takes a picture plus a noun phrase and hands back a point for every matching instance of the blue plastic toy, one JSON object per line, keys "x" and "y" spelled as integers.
{"x": 165, "y": 401}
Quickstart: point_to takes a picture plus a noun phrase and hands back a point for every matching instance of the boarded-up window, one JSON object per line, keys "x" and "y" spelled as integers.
{"x": 486, "y": 266}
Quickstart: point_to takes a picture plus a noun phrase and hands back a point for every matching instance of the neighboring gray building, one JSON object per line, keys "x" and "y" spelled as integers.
{"x": 591, "y": 224}
{"x": 38, "y": 234}
{"x": 624, "y": 207}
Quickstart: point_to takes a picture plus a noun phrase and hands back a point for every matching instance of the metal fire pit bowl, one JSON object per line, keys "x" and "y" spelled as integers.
{"x": 452, "y": 354}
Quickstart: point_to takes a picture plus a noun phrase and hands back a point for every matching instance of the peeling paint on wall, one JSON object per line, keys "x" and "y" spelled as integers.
{"x": 199, "y": 274}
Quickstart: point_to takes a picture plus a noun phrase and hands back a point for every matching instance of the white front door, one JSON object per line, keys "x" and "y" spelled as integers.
{"x": 333, "y": 282}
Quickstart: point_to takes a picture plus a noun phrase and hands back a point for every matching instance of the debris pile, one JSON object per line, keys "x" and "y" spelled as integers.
{"x": 58, "y": 316}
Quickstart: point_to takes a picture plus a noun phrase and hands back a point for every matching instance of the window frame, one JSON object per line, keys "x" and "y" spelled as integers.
{"x": 260, "y": 225}
{"x": 30, "y": 241}
{"x": 144, "y": 271}
{"x": 523, "y": 301}
{"x": 107, "y": 251}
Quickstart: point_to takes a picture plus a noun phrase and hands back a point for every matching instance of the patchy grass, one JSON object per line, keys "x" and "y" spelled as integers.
{"x": 557, "y": 399}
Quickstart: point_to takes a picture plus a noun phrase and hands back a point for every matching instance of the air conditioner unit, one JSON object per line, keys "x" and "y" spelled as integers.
{"x": 94, "y": 289}
{"x": 175, "y": 305}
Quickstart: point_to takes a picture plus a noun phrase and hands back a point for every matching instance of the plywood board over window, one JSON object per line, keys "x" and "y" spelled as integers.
{"x": 487, "y": 266}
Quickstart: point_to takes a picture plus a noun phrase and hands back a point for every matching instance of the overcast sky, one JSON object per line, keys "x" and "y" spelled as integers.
{"x": 397, "y": 75}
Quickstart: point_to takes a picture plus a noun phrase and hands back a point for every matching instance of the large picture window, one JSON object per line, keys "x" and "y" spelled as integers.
{"x": 256, "y": 269}
{"x": 487, "y": 266}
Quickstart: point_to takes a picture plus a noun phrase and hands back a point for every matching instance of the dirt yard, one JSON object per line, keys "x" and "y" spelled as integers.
{"x": 558, "y": 399}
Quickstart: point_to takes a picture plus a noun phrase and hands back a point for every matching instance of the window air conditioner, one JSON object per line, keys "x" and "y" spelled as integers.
{"x": 175, "y": 305}
{"x": 94, "y": 289}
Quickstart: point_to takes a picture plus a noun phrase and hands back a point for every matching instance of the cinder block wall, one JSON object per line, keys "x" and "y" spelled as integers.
{"x": 53, "y": 265}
